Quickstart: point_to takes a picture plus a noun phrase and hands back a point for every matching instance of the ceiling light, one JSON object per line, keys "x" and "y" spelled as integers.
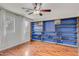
{"x": 36, "y": 12}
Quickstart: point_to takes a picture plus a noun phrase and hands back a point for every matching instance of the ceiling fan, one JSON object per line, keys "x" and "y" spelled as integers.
{"x": 36, "y": 9}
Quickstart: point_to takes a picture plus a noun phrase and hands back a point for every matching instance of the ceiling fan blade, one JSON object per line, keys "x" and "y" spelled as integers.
{"x": 46, "y": 10}
{"x": 26, "y": 8}
{"x": 34, "y": 5}
{"x": 37, "y": 6}
{"x": 29, "y": 10}
{"x": 30, "y": 13}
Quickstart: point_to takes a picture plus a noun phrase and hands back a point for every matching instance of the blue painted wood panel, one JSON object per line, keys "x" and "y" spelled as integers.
{"x": 49, "y": 31}
{"x": 69, "y": 21}
{"x": 65, "y": 29}
{"x": 49, "y": 26}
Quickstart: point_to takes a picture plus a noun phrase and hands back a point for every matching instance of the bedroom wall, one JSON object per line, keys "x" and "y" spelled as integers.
{"x": 10, "y": 39}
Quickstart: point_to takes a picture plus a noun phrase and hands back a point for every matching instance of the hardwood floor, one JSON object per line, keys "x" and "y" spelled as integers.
{"x": 35, "y": 48}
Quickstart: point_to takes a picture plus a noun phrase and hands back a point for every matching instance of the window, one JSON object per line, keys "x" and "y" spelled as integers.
{"x": 9, "y": 22}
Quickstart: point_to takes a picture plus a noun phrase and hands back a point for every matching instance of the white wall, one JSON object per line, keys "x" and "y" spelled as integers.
{"x": 9, "y": 40}
{"x": 26, "y": 30}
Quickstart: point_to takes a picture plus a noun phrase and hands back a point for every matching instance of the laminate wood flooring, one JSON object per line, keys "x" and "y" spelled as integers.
{"x": 36, "y": 48}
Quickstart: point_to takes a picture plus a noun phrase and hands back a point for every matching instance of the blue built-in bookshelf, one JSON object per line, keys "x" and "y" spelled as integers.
{"x": 69, "y": 31}
{"x": 49, "y": 31}
{"x": 64, "y": 33}
{"x": 37, "y": 29}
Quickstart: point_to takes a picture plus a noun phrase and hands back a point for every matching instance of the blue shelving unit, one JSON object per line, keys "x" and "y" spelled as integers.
{"x": 37, "y": 29}
{"x": 68, "y": 31}
{"x": 64, "y": 33}
{"x": 49, "y": 31}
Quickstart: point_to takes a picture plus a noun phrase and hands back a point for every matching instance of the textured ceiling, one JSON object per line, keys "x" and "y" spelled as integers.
{"x": 58, "y": 10}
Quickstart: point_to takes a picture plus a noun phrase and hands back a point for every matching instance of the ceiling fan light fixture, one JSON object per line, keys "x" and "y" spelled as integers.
{"x": 36, "y": 12}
